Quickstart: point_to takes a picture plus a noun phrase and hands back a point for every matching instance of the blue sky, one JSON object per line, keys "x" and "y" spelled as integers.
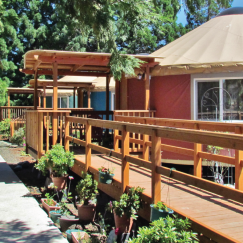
{"x": 182, "y": 17}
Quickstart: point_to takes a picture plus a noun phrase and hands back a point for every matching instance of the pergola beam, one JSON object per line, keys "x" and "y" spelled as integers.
{"x": 64, "y": 73}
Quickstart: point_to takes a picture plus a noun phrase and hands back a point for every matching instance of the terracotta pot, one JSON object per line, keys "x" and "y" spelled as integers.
{"x": 79, "y": 237}
{"x": 86, "y": 212}
{"x": 66, "y": 221}
{"x": 123, "y": 223}
{"x": 59, "y": 182}
{"x": 48, "y": 208}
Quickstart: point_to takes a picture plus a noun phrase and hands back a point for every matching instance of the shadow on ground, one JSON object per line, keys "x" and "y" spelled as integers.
{"x": 17, "y": 231}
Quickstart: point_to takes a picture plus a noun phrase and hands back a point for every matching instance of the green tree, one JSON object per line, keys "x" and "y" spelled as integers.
{"x": 201, "y": 11}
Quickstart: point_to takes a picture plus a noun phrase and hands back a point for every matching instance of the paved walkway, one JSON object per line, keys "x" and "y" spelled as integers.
{"x": 22, "y": 220}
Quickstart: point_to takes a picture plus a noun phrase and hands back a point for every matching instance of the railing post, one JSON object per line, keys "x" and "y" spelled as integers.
{"x": 125, "y": 163}
{"x": 238, "y": 166}
{"x": 197, "y": 159}
{"x": 156, "y": 161}
{"x": 66, "y": 141}
{"x": 145, "y": 147}
{"x": 54, "y": 127}
{"x": 40, "y": 135}
{"x": 87, "y": 148}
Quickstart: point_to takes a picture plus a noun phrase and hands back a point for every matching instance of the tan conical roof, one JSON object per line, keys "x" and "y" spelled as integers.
{"x": 218, "y": 42}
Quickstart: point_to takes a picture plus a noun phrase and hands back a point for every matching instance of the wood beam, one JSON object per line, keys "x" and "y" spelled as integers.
{"x": 64, "y": 73}
{"x": 55, "y": 105}
{"x": 36, "y": 65}
{"x": 76, "y": 67}
{"x": 238, "y": 166}
{"x": 75, "y": 61}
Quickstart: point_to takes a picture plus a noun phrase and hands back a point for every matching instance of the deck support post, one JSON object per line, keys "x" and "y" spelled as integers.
{"x": 197, "y": 159}
{"x": 156, "y": 161}
{"x": 238, "y": 166}
{"x": 89, "y": 99}
{"x": 66, "y": 141}
{"x": 125, "y": 163}
{"x": 44, "y": 97}
{"x": 88, "y": 130}
{"x": 55, "y": 106}
{"x": 47, "y": 130}
{"x": 40, "y": 134}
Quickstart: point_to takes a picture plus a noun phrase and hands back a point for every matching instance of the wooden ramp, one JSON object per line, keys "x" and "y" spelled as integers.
{"x": 214, "y": 216}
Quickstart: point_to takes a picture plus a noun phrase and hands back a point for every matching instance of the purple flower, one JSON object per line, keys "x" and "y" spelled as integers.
{"x": 70, "y": 178}
{"x": 24, "y": 144}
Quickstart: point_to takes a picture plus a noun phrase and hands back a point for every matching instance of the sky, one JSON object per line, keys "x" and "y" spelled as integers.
{"x": 182, "y": 16}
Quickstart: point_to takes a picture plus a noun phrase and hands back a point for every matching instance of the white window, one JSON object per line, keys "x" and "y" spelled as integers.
{"x": 112, "y": 101}
{"x": 63, "y": 102}
{"x": 218, "y": 98}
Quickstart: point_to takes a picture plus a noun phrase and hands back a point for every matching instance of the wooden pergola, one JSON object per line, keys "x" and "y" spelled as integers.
{"x": 13, "y": 90}
{"x": 61, "y": 63}
{"x": 79, "y": 86}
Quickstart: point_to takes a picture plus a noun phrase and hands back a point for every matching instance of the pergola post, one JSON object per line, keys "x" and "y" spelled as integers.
{"x": 107, "y": 96}
{"x": 9, "y": 105}
{"x": 44, "y": 98}
{"x": 55, "y": 99}
{"x": 89, "y": 100}
{"x": 147, "y": 89}
{"x": 117, "y": 95}
{"x": 123, "y": 93}
{"x": 35, "y": 91}
{"x": 74, "y": 100}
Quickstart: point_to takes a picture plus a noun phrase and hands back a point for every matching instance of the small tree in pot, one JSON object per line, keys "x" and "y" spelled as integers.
{"x": 57, "y": 161}
{"x": 125, "y": 211}
{"x": 87, "y": 189}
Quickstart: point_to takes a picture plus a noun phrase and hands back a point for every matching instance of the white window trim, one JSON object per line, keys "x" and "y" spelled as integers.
{"x": 112, "y": 101}
{"x": 195, "y": 78}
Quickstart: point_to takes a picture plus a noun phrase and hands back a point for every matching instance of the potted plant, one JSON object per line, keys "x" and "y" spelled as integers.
{"x": 159, "y": 210}
{"x": 80, "y": 237}
{"x": 125, "y": 211}
{"x": 87, "y": 189}
{"x": 49, "y": 204}
{"x": 57, "y": 161}
{"x": 169, "y": 230}
{"x": 105, "y": 175}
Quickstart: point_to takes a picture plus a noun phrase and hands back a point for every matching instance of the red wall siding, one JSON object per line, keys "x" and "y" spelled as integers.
{"x": 170, "y": 96}
{"x": 136, "y": 94}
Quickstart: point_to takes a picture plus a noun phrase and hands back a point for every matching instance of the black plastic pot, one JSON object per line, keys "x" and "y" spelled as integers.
{"x": 105, "y": 178}
{"x": 156, "y": 214}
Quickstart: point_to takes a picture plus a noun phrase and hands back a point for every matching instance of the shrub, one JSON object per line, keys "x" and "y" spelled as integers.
{"x": 5, "y": 127}
{"x": 129, "y": 203}
{"x": 56, "y": 160}
{"x": 18, "y": 137}
{"x": 170, "y": 230}
{"x": 87, "y": 189}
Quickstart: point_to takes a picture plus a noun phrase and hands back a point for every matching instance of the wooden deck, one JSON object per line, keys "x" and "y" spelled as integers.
{"x": 202, "y": 207}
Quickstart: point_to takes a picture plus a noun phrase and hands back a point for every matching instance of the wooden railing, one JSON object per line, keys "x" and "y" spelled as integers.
{"x": 14, "y": 112}
{"x": 197, "y": 153}
{"x": 157, "y": 133}
{"x": 137, "y": 113}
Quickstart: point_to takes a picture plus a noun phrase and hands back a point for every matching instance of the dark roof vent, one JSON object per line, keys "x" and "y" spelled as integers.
{"x": 231, "y": 11}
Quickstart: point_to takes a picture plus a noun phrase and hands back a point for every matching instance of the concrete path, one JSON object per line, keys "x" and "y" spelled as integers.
{"x": 21, "y": 218}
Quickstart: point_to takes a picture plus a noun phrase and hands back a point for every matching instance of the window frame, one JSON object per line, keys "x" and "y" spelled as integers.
{"x": 220, "y": 77}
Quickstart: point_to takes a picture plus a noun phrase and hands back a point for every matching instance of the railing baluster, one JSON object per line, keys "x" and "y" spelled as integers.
{"x": 238, "y": 165}
{"x": 125, "y": 163}
{"x": 88, "y": 134}
{"x": 156, "y": 161}
{"x": 197, "y": 159}
{"x": 66, "y": 141}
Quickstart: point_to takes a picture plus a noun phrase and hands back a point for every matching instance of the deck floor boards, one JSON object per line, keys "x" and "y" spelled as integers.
{"x": 208, "y": 208}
